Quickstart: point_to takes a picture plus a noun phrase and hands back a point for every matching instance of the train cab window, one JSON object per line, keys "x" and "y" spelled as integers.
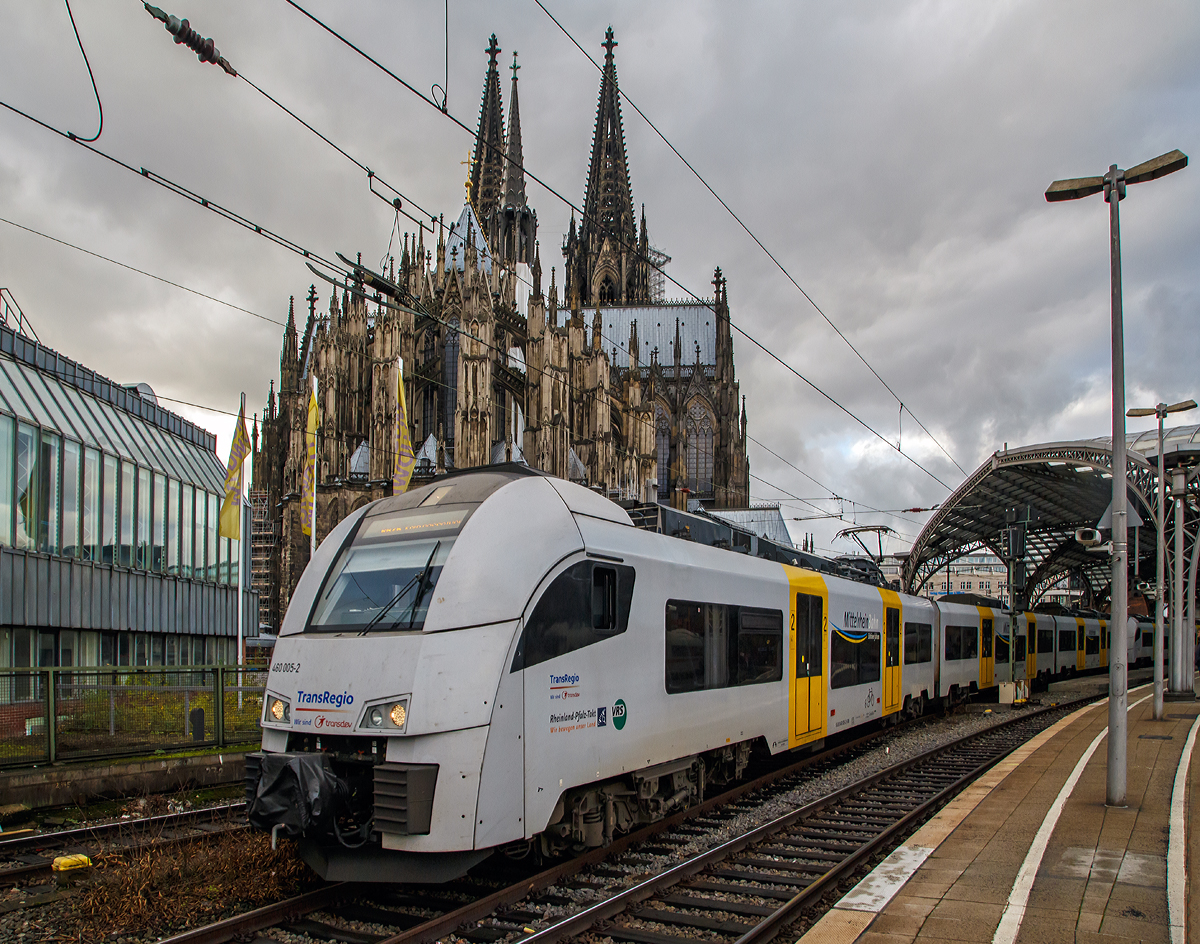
{"x": 604, "y": 598}
{"x": 714, "y": 645}
{"x": 385, "y": 573}
{"x": 1001, "y": 650}
{"x": 1066, "y": 640}
{"x": 892, "y": 642}
{"x": 987, "y": 638}
{"x": 918, "y": 643}
{"x": 1045, "y": 640}
{"x": 585, "y": 604}
{"x": 810, "y": 625}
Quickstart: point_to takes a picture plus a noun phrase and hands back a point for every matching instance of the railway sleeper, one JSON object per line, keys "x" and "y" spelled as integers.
{"x": 662, "y": 916}
{"x": 717, "y": 904}
{"x": 745, "y": 875}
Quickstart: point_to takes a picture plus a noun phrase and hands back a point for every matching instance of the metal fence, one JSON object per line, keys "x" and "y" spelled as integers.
{"x": 49, "y": 715}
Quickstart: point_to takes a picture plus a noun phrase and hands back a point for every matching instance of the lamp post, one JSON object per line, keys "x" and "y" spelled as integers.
{"x": 1113, "y": 185}
{"x": 1161, "y": 410}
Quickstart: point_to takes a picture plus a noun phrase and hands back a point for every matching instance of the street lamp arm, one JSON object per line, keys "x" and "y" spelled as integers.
{"x": 1073, "y": 189}
{"x": 1181, "y": 407}
{"x": 1157, "y": 167}
{"x": 1142, "y": 411}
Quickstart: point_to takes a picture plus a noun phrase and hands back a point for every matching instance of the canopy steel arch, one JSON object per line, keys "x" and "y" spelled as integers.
{"x": 1066, "y": 483}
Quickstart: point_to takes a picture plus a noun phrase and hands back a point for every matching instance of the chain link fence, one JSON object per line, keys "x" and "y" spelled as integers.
{"x": 67, "y": 714}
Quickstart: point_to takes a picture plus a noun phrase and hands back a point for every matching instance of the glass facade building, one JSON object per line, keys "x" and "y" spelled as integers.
{"x": 109, "y": 545}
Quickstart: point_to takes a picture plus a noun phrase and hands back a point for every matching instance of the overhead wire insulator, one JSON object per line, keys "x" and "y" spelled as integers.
{"x": 205, "y": 49}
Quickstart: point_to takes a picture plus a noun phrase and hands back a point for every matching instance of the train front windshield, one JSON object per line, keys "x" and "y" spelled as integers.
{"x": 383, "y": 578}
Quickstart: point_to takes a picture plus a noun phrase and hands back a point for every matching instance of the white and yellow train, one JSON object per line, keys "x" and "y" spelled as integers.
{"x": 502, "y": 660}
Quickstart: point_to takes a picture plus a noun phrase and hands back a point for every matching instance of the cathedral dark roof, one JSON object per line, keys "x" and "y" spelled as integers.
{"x": 656, "y": 329}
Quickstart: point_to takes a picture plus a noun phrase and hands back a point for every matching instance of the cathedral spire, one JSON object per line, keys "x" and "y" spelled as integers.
{"x": 487, "y": 163}
{"x": 514, "y": 165}
{"x": 608, "y": 204}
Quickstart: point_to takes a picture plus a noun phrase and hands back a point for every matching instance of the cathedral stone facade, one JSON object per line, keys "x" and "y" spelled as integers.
{"x": 598, "y": 381}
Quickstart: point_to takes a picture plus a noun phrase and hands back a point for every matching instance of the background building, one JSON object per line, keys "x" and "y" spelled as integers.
{"x": 605, "y": 384}
{"x": 109, "y": 553}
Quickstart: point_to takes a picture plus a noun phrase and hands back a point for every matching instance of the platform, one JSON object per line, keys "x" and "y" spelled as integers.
{"x": 1030, "y": 854}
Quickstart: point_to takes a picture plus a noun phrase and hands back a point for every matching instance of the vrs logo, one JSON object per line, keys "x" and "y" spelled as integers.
{"x": 619, "y": 714}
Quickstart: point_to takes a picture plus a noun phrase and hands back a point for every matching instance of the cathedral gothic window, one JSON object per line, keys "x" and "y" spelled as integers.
{"x": 662, "y": 442}
{"x": 700, "y": 450}
{"x": 450, "y": 385}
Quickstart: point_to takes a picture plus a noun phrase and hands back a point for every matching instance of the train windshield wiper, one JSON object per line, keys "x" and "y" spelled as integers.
{"x": 392, "y": 602}
{"x": 424, "y": 585}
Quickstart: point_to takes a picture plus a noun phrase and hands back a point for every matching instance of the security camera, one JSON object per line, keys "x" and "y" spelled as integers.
{"x": 1088, "y": 537}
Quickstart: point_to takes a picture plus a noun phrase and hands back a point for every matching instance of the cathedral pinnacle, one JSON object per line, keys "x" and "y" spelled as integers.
{"x": 487, "y": 162}
{"x": 514, "y": 165}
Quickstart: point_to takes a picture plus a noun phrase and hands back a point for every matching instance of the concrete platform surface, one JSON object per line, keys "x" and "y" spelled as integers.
{"x": 1030, "y": 853}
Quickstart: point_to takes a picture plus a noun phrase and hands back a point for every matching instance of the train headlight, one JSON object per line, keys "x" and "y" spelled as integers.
{"x": 278, "y": 710}
{"x": 388, "y": 715}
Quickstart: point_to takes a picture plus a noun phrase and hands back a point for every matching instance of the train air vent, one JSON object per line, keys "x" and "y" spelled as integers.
{"x": 404, "y": 798}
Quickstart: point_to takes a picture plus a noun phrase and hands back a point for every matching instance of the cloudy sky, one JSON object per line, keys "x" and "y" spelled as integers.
{"x": 892, "y": 156}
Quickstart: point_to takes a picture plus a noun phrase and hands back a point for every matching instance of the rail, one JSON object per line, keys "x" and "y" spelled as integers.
{"x": 57, "y": 714}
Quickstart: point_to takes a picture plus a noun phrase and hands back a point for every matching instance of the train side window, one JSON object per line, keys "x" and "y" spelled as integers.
{"x": 1020, "y": 654}
{"x": 585, "y": 604}
{"x": 810, "y": 623}
{"x": 1080, "y": 637}
{"x": 892, "y": 644}
{"x": 1001, "y": 650}
{"x": 953, "y": 643}
{"x": 970, "y": 642}
{"x": 918, "y": 643}
{"x": 1045, "y": 640}
{"x": 712, "y": 645}
{"x": 759, "y": 647}
{"x": 1066, "y": 640}
{"x": 1091, "y": 645}
{"x": 854, "y": 658}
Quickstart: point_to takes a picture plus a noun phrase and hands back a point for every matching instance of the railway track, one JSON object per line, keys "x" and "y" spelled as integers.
{"x": 745, "y": 887}
{"x": 28, "y": 858}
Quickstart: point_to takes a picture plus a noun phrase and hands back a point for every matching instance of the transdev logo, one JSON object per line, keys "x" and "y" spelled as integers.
{"x": 330, "y": 699}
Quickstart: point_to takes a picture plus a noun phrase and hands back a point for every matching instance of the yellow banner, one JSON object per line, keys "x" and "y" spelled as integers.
{"x": 308, "y": 496}
{"x": 401, "y": 441}
{"x": 231, "y": 505}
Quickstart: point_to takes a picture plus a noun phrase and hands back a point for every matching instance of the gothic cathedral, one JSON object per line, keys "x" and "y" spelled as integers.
{"x": 602, "y": 381}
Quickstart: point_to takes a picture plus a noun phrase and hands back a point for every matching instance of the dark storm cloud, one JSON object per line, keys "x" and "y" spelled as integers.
{"x": 892, "y": 156}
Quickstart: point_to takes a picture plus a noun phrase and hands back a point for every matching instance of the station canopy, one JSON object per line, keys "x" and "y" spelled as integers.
{"x": 1068, "y": 486}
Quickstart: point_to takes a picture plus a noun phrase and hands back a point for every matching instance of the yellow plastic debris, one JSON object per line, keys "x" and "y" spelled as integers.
{"x": 68, "y": 862}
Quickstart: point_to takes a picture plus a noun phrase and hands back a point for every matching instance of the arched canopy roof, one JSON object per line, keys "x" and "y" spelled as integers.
{"x": 1068, "y": 485}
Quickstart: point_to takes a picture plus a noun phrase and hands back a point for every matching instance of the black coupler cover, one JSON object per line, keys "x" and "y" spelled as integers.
{"x": 296, "y": 791}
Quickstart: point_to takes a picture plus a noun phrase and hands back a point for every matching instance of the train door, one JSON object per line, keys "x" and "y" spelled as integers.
{"x": 810, "y": 611}
{"x": 987, "y": 664}
{"x": 891, "y": 652}
{"x": 1080, "y": 644}
{"x": 1019, "y": 655}
{"x": 1031, "y": 648}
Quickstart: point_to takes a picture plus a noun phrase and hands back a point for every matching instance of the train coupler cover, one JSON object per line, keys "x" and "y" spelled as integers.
{"x": 297, "y": 792}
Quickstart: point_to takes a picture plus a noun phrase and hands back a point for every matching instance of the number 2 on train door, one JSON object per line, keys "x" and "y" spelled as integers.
{"x": 808, "y": 695}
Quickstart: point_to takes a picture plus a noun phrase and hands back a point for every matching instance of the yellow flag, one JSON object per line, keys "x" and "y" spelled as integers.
{"x": 308, "y": 496}
{"x": 401, "y": 441}
{"x": 231, "y": 506}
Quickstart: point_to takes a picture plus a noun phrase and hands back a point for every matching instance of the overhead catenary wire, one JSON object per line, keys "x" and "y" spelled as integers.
{"x": 770, "y": 255}
{"x": 532, "y": 176}
{"x": 149, "y": 275}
